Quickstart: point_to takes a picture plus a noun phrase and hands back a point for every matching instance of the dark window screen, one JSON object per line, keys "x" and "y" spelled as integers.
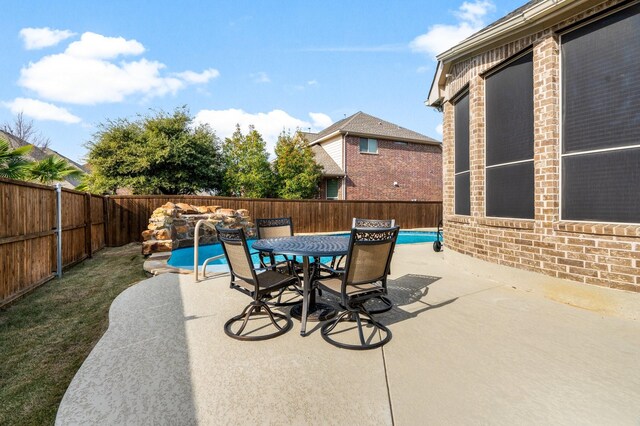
{"x": 602, "y": 186}
{"x": 463, "y": 200}
{"x": 601, "y": 83}
{"x": 510, "y": 191}
{"x": 461, "y": 117}
{"x": 509, "y": 112}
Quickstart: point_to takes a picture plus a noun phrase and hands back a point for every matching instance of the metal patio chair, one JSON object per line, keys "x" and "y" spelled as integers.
{"x": 364, "y": 278}
{"x": 337, "y": 263}
{"x": 275, "y": 228}
{"x": 258, "y": 285}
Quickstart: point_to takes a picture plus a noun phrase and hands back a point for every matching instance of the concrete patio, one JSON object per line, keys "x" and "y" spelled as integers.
{"x": 473, "y": 343}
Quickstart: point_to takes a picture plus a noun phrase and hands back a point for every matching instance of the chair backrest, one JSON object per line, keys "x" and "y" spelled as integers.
{"x": 274, "y": 228}
{"x": 373, "y": 223}
{"x": 369, "y": 256}
{"x": 235, "y": 247}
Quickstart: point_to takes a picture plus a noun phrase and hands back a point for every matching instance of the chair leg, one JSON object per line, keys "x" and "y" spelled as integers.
{"x": 257, "y": 308}
{"x": 368, "y": 319}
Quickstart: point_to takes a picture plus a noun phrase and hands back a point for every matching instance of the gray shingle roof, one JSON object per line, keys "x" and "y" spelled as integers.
{"x": 330, "y": 167}
{"x": 367, "y": 125}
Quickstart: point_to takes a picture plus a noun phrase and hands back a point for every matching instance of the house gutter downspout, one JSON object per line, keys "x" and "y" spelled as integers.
{"x": 344, "y": 165}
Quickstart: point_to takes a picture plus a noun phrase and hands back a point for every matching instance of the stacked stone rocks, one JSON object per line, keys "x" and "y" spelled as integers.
{"x": 172, "y": 226}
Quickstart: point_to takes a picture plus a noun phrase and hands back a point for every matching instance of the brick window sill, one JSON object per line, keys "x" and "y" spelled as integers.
{"x": 459, "y": 219}
{"x": 598, "y": 228}
{"x": 507, "y": 223}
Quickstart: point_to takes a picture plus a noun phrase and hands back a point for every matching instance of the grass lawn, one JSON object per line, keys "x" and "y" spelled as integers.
{"x": 46, "y": 335}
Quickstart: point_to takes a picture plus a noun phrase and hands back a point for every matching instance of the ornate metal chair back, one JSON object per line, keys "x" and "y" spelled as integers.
{"x": 275, "y": 227}
{"x": 234, "y": 244}
{"x": 369, "y": 256}
{"x": 373, "y": 223}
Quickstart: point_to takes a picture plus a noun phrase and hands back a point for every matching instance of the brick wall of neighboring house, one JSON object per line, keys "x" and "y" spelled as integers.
{"x": 416, "y": 167}
{"x": 602, "y": 254}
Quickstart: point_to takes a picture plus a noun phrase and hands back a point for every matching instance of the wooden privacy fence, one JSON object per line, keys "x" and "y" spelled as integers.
{"x": 128, "y": 215}
{"x": 28, "y": 226}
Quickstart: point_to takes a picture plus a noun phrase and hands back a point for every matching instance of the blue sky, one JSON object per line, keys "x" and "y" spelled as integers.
{"x": 72, "y": 65}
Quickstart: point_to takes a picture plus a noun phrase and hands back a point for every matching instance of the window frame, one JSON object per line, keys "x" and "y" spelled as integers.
{"x": 454, "y": 100}
{"x": 368, "y": 151}
{"x": 495, "y": 69}
{"x": 337, "y": 197}
{"x": 561, "y": 155}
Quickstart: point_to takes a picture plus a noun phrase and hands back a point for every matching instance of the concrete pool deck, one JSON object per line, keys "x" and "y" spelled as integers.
{"x": 473, "y": 343}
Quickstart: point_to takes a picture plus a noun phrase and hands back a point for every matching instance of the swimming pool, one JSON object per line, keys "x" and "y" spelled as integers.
{"x": 183, "y": 258}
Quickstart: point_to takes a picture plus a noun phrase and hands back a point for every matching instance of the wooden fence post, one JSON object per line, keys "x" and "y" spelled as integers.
{"x": 105, "y": 218}
{"x": 88, "y": 225}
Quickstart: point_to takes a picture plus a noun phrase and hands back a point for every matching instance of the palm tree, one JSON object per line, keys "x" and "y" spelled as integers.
{"x": 50, "y": 169}
{"x": 12, "y": 163}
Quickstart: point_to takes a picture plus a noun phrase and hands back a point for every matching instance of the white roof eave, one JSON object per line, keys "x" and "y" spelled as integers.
{"x": 528, "y": 18}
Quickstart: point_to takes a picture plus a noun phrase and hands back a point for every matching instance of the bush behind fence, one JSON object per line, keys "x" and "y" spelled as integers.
{"x": 91, "y": 222}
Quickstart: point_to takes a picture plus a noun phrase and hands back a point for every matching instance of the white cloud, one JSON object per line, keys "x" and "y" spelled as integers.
{"x": 440, "y": 37}
{"x": 269, "y": 124}
{"x": 423, "y": 69}
{"x": 92, "y": 45}
{"x": 261, "y": 77}
{"x": 37, "y": 38}
{"x": 475, "y": 12}
{"x": 41, "y": 110}
{"x": 439, "y": 129}
{"x": 198, "y": 78}
{"x": 312, "y": 82}
{"x": 86, "y": 73}
{"x": 320, "y": 120}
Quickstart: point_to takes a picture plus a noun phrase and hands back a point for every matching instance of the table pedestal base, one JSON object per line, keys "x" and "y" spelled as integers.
{"x": 317, "y": 312}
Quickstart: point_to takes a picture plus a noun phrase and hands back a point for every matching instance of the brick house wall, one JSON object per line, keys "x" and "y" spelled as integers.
{"x": 416, "y": 167}
{"x": 594, "y": 253}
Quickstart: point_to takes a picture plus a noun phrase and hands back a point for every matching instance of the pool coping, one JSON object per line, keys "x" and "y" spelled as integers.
{"x": 157, "y": 263}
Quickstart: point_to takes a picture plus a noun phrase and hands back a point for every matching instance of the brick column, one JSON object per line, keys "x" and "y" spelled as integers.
{"x": 546, "y": 113}
{"x": 448, "y": 156}
{"x": 477, "y": 145}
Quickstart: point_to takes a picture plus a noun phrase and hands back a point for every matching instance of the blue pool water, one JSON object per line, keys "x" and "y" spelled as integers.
{"x": 183, "y": 258}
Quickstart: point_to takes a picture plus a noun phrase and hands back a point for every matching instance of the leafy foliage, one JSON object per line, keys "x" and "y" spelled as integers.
{"x": 248, "y": 172}
{"x": 13, "y": 165}
{"x": 297, "y": 172}
{"x": 51, "y": 169}
{"x": 160, "y": 154}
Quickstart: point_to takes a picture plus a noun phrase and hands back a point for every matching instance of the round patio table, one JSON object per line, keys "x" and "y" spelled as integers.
{"x": 307, "y": 246}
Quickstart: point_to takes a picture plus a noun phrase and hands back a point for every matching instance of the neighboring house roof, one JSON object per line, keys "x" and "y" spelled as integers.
{"x": 310, "y": 137}
{"x": 37, "y": 154}
{"x": 528, "y": 18}
{"x": 330, "y": 167}
{"x": 361, "y": 124}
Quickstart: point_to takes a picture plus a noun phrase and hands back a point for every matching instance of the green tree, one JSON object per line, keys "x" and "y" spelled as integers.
{"x": 13, "y": 165}
{"x": 156, "y": 154}
{"x": 297, "y": 171}
{"x": 248, "y": 172}
{"x": 51, "y": 169}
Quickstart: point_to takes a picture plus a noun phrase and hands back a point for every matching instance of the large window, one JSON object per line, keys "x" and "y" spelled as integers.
{"x": 509, "y": 139}
{"x": 461, "y": 135}
{"x": 369, "y": 146}
{"x": 601, "y": 119}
